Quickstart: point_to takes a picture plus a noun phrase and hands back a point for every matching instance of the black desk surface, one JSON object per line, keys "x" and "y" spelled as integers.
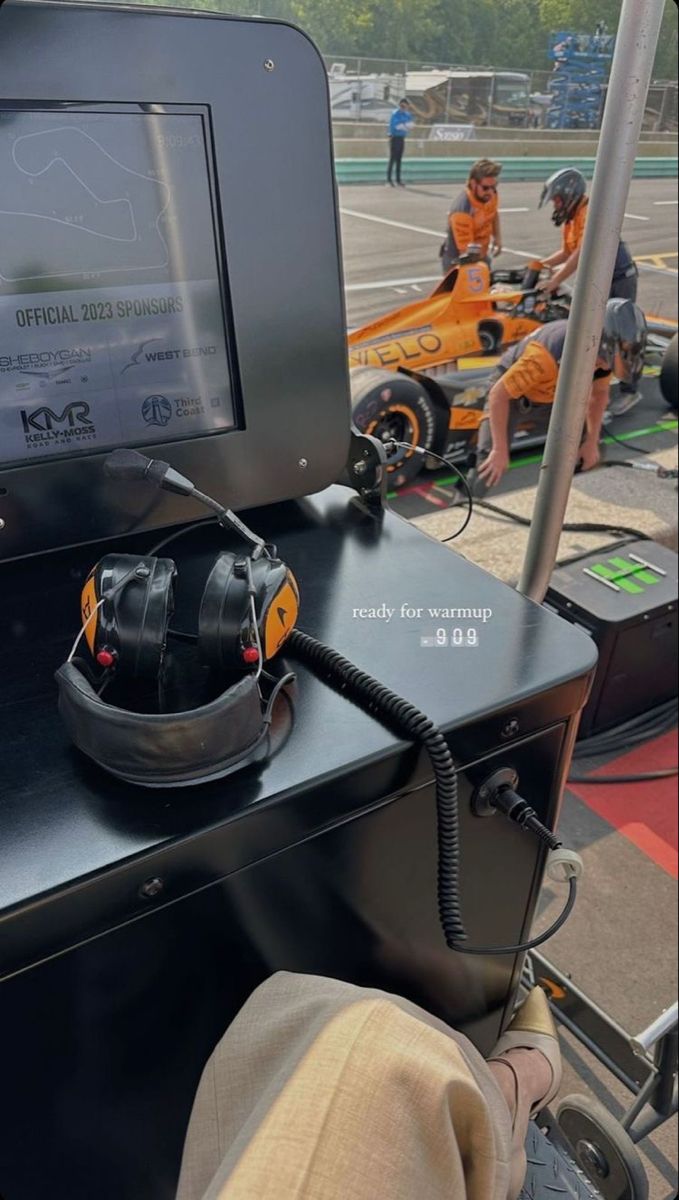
{"x": 66, "y": 826}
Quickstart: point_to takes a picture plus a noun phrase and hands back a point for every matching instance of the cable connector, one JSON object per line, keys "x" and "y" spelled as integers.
{"x": 507, "y": 801}
{"x": 564, "y": 865}
{"x": 498, "y": 794}
{"x": 391, "y": 446}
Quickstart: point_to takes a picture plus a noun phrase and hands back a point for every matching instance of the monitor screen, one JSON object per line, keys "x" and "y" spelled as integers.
{"x": 112, "y": 319}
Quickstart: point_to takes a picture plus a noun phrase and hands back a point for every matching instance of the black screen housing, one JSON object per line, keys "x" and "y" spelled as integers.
{"x": 261, "y": 92}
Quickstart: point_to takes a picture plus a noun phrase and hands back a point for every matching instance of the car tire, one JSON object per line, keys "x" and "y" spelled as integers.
{"x": 390, "y": 404}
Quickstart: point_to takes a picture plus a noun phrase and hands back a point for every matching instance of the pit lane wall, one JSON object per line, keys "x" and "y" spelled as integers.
{"x": 453, "y": 169}
{"x": 361, "y": 159}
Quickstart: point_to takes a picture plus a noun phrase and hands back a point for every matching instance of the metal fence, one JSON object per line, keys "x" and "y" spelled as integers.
{"x": 368, "y": 89}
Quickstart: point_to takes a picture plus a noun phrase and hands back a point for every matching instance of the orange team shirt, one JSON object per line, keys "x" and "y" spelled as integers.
{"x": 471, "y": 222}
{"x": 531, "y": 368}
{"x": 574, "y": 230}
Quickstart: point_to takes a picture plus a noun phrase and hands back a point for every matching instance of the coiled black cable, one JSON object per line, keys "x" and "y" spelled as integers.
{"x": 407, "y": 720}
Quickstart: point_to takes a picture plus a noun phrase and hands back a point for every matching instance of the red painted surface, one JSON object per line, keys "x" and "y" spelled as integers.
{"x": 645, "y": 813}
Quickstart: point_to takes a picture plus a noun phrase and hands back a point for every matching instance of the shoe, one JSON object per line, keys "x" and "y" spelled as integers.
{"x": 533, "y": 1028}
{"x": 622, "y": 403}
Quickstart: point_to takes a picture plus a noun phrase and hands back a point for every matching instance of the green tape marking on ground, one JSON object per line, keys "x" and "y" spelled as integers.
{"x": 669, "y": 426}
{"x": 661, "y": 427}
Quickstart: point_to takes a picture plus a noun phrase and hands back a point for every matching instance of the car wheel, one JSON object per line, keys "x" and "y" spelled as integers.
{"x": 392, "y": 406}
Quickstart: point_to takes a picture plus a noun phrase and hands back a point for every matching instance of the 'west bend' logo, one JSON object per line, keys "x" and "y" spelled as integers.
{"x": 44, "y": 420}
{"x": 142, "y": 355}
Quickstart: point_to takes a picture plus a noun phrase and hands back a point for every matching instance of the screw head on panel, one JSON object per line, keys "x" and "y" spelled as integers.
{"x": 151, "y": 888}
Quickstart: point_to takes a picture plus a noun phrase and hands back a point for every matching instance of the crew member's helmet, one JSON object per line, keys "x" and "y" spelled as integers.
{"x": 568, "y": 186}
{"x": 623, "y": 339}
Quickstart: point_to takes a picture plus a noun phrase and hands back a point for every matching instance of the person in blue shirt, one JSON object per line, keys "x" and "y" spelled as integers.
{"x": 399, "y": 128}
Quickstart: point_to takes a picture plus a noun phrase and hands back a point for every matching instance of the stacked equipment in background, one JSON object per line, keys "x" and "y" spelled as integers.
{"x": 581, "y": 65}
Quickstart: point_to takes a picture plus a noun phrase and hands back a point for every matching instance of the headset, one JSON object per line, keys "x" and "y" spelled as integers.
{"x": 248, "y": 609}
{"x": 248, "y": 612}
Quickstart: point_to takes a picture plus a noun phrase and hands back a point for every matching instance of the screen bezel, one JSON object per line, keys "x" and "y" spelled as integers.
{"x": 277, "y": 219}
{"x": 164, "y": 110}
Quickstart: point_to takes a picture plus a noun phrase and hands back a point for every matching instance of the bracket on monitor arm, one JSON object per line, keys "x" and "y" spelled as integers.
{"x": 365, "y": 469}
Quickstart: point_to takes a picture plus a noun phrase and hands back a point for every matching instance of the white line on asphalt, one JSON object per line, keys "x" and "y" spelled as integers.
{"x": 391, "y": 283}
{"x": 504, "y": 210}
{"x": 349, "y": 212}
{"x": 364, "y": 287}
{"x": 659, "y": 202}
{"x": 634, "y": 217}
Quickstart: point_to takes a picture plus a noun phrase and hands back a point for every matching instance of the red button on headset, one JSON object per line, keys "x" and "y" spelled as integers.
{"x": 250, "y": 655}
{"x": 106, "y": 658}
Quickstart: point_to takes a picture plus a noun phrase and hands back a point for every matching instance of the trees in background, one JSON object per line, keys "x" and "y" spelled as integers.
{"x": 512, "y": 34}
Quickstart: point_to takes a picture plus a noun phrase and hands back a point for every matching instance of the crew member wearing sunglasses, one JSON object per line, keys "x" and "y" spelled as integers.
{"x": 474, "y": 218}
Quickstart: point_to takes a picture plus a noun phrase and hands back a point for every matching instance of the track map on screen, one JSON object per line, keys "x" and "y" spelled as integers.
{"x": 111, "y": 318}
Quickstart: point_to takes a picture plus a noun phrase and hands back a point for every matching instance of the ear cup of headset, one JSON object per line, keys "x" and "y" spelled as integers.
{"x": 277, "y": 607}
{"x": 224, "y": 618}
{"x": 129, "y": 630}
{"x": 225, "y": 622}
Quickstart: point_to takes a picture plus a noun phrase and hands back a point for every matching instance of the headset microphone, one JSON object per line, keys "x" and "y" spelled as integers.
{"x": 130, "y": 464}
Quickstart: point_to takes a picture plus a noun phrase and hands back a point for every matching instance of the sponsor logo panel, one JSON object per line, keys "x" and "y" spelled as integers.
{"x": 93, "y": 384}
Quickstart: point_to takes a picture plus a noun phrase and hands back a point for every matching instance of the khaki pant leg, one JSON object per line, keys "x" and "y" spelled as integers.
{"x": 320, "y": 1090}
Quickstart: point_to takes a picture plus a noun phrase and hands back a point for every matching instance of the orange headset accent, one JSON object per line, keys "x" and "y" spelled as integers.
{"x": 281, "y": 616}
{"x": 88, "y": 605}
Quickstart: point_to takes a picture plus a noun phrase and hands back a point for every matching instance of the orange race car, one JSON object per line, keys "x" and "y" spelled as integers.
{"x": 419, "y": 374}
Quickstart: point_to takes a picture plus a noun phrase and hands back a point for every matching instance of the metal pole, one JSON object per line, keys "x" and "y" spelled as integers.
{"x": 630, "y": 76}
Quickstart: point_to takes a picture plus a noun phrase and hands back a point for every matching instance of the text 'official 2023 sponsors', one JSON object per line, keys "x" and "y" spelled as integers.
{"x": 145, "y": 367}
{"x": 41, "y": 316}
